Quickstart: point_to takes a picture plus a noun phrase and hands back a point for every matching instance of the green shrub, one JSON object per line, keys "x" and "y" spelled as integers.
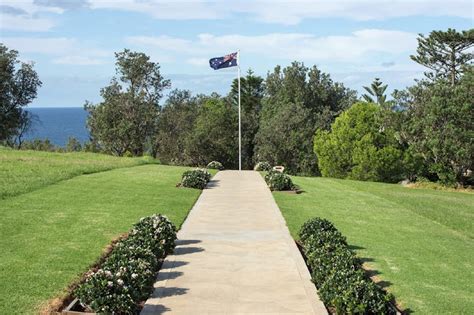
{"x": 127, "y": 275}
{"x": 197, "y": 178}
{"x": 337, "y": 272}
{"x": 215, "y": 165}
{"x": 279, "y": 181}
{"x": 262, "y": 167}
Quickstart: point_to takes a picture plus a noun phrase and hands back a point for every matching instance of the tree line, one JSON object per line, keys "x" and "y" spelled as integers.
{"x": 297, "y": 117}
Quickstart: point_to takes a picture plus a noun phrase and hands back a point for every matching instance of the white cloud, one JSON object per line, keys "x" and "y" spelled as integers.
{"x": 168, "y": 10}
{"x": 64, "y": 50}
{"x": 293, "y": 12}
{"x": 25, "y": 23}
{"x": 198, "y": 61}
{"x": 78, "y": 60}
{"x": 352, "y": 48}
{"x": 290, "y": 12}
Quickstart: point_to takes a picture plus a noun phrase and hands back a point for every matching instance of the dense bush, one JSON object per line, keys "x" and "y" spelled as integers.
{"x": 126, "y": 277}
{"x": 197, "y": 178}
{"x": 279, "y": 181}
{"x": 215, "y": 165}
{"x": 338, "y": 274}
{"x": 358, "y": 147}
{"x": 262, "y": 166}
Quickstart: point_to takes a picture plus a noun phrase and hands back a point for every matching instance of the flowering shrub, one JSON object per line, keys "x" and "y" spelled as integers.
{"x": 262, "y": 166}
{"x": 338, "y": 274}
{"x": 197, "y": 178}
{"x": 215, "y": 165}
{"x": 126, "y": 277}
{"x": 279, "y": 181}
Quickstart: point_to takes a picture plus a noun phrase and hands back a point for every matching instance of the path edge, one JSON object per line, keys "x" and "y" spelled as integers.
{"x": 311, "y": 291}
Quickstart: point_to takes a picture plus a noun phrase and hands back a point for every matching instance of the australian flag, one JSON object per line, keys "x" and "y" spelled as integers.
{"x": 227, "y": 61}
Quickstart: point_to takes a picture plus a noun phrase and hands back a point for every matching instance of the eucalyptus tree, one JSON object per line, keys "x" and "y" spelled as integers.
{"x": 125, "y": 121}
{"x": 19, "y": 85}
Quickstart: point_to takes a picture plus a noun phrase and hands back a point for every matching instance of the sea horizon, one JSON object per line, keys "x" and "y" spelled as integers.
{"x": 58, "y": 124}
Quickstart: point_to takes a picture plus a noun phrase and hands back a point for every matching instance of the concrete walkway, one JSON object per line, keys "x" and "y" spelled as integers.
{"x": 235, "y": 256}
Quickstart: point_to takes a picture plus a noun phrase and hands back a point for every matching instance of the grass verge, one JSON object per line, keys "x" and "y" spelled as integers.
{"x": 24, "y": 171}
{"x": 417, "y": 241}
{"x": 49, "y": 236}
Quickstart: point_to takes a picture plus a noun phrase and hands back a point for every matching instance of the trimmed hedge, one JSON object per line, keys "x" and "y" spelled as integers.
{"x": 127, "y": 275}
{"x": 279, "y": 181}
{"x": 338, "y": 274}
{"x": 215, "y": 165}
{"x": 197, "y": 178}
{"x": 262, "y": 167}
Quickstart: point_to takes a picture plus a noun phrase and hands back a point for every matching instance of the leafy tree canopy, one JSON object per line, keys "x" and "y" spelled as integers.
{"x": 445, "y": 53}
{"x": 19, "y": 84}
{"x": 358, "y": 148}
{"x": 376, "y": 92}
{"x": 126, "y": 119}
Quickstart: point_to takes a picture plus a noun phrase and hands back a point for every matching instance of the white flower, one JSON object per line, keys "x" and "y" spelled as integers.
{"x": 110, "y": 284}
{"x": 120, "y": 281}
{"x": 134, "y": 275}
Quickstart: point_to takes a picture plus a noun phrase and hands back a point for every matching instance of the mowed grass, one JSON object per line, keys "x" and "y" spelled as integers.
{"x": 420, "y": 241}
{"x": 51, "y": 235}
{"x": 24, "y": 171}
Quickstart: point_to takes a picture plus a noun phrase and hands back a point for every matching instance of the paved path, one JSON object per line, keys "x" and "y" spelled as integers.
{"x": 235, "y": 256}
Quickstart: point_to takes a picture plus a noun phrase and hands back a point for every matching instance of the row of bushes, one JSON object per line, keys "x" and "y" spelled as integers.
{"x": 215, "y": 165}
{"x": 127, "y": 275}
{"x": 279, "y": 181}
{"x": 197, "y": 178}
{"x": 275, "y": 180}
{"x": 337, "y": 272}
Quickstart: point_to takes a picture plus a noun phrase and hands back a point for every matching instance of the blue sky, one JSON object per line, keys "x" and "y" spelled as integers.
{"x": 72, "y": 42}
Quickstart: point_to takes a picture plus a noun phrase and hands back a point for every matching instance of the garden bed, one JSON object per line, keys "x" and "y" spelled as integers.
{"x": 122, "y": 279}
{"x": 344, "y": 284}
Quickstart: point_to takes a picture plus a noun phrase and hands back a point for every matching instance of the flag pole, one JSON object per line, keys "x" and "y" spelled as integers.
{"x": 240, "y": 132}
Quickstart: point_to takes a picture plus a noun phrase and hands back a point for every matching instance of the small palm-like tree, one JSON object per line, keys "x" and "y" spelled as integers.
{"x": 376, "y": 92}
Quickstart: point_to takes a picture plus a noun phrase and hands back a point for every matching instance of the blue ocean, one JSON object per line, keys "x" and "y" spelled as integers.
{"x": 58, "y": 124}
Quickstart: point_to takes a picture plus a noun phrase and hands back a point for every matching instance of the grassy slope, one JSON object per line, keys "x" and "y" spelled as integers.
{"x": 50, "y": 235}
{"x": 421, "y": 241}
{"x": 24, "y": 171}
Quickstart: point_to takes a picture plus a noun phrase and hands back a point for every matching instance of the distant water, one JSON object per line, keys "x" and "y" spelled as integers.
{"x": 58, "y": 124}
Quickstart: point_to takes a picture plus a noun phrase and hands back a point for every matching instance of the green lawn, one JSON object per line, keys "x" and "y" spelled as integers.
{"x": 51, "y": 235}
{"x": 24, "y": 171}
{"x": 419, "y": 240}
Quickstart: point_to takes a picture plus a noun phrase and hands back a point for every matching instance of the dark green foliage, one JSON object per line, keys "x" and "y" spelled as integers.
{"x": 73, "y": 145}
{"x": 215, "y": 165}
{"x": 126, "y": 119}
{"x": 436, "y": 121}
{"x": 298, "y": 101}
{"x": 175, "y": 127}
{"x": 19, "y": 83}
{"x": 251, "y": 95}
{"x": 279, "y": 181}
{"x": 445, "y": 53}
{"x": 358, "y": 147}
{"x": 126, "y": 277}
{"x": 337, "y": 272}
{"x": 215, "y": 134}
{"x": 197, "y": 178}
{"x": 39, "y": 145}
{"x": 376, "y": 92}
{"x": 262, "y": 166}
{"x": 315, "y": 226}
